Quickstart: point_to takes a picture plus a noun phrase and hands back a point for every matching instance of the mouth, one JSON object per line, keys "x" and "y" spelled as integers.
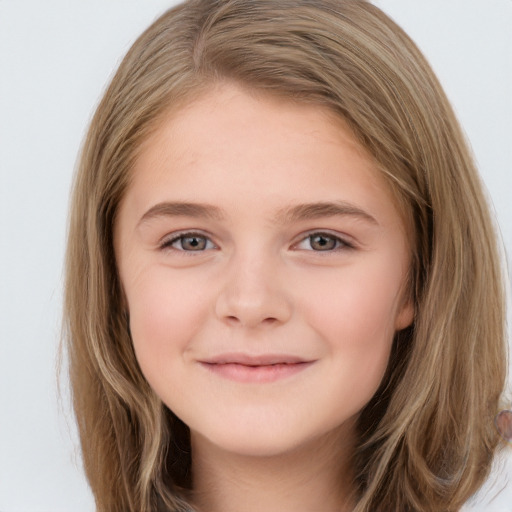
{"x": 256, "y": 369}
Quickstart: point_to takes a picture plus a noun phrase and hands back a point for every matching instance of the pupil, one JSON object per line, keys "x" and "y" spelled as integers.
{"x": 194, "y": 243}
{"x": 322, "y": 243}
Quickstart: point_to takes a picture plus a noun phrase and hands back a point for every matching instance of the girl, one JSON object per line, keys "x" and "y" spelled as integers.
{"x": 283, "y": 291}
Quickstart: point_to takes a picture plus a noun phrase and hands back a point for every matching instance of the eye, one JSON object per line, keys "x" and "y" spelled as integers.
{"x": 322, "y": 242}
{"x": 188, "y": 242}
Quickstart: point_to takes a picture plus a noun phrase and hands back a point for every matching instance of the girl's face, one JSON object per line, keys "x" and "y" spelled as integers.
{"x": 264, "y": 266}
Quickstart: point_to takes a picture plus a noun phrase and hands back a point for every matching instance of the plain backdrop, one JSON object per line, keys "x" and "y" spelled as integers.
{"x": 56, "y": 56}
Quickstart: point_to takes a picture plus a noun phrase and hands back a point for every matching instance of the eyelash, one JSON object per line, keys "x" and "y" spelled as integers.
{"x": 340, "y": 243}
{"x": 167, "y": 244}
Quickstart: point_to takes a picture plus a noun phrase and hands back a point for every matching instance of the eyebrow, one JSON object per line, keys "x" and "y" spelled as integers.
{"x": 288, "y": 214}
{"x": 182, "y": 209}
{"x": 310, "y": 211}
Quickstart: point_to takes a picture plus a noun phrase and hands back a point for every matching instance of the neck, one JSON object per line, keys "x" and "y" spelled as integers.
{"x": 308, "y": 479}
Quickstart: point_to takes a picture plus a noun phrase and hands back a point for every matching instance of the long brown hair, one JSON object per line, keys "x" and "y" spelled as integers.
{"x": 426, "y": 439}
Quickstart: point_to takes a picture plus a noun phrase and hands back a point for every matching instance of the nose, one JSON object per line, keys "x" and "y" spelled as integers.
{"x": 253, "y": 294}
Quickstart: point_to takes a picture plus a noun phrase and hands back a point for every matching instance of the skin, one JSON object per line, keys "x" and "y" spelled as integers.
{"x": 261, "y": 276}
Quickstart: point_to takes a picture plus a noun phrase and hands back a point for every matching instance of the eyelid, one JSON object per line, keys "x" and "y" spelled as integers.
{"x": 166, "y": 242}
{"x": 347, "y": 242}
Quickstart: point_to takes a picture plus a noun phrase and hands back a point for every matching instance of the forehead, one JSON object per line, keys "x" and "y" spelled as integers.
{"x": 231, "y": 140}
{"x": 227, "y": 117}
{"x": 201, "y": 111}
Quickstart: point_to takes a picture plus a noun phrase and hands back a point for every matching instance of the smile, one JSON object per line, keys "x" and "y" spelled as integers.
{"x": 255, "y": 369}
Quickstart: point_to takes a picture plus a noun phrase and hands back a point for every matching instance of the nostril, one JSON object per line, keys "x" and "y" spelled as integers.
{"x": 233, "y": 319}
{"x": 250, "y": 309}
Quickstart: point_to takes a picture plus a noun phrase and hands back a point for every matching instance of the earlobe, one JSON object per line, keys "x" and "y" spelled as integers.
{"x": 123, "y": 300}
{"x": 405, "y": 316}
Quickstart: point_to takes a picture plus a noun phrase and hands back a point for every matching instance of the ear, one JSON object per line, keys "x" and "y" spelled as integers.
{"x": 405, "y": 315}
{"x": 123, "y": 300}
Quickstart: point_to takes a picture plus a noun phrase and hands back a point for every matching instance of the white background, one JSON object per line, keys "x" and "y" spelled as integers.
{"x": 56, "y": 57}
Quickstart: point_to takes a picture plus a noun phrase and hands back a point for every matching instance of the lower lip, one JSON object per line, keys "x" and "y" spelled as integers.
{"x": 256, "y": 374}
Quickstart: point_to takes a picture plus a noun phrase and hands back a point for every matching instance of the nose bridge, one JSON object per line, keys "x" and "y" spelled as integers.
{"x": 252, "y": 292}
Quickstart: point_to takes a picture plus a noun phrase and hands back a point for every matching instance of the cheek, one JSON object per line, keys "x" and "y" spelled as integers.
{"x": 356, "y": 308}
{"x": 356, "y": 318}
{"x": 164, "y": 316}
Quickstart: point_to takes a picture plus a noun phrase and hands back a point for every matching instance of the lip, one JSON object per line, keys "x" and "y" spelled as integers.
{"x": 264, "y": 368}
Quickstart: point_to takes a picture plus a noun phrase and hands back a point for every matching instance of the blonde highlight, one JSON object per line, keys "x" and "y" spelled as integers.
{"x": 427, "y": 438}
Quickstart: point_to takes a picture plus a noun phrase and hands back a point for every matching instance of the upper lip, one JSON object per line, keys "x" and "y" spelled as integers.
{"x": 255, "y": 360}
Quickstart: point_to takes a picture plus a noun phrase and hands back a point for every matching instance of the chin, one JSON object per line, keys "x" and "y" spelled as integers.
{"x": 251, "y": 445}
{"x": 262, "y": 437}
